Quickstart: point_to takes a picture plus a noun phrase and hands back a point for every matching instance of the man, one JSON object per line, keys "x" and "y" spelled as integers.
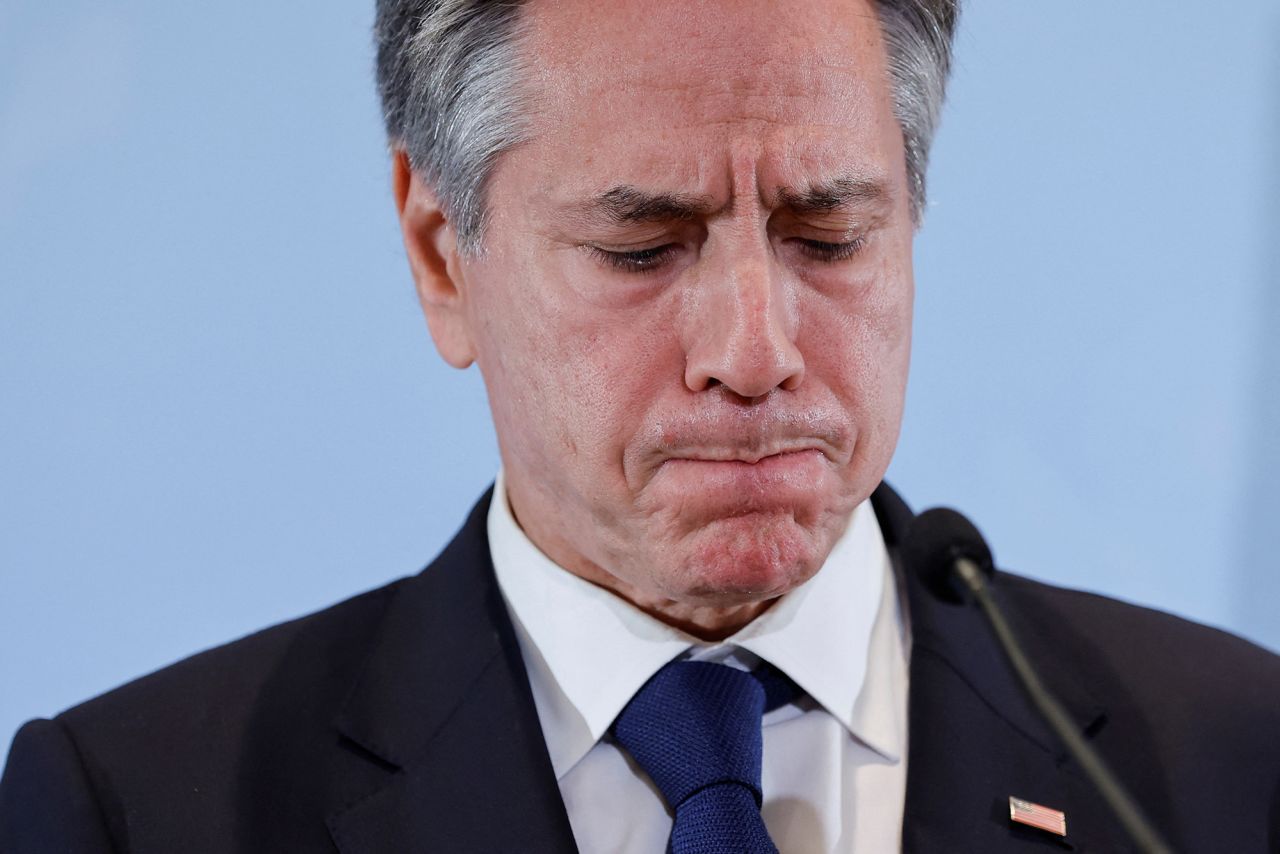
{"x": 676, "y": 239}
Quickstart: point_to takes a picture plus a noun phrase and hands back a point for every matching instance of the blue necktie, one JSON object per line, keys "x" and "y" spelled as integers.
{"x": 694, "y": 728}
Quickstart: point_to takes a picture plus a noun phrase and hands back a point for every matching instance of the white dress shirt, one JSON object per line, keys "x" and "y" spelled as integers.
{"x": 834, "y": 774}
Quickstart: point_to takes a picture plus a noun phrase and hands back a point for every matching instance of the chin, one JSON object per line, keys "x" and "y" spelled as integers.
{"x": 746, "y": 559}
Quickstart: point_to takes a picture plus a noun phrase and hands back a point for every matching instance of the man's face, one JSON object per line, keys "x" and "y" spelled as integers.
{"x": 693, "y": 309}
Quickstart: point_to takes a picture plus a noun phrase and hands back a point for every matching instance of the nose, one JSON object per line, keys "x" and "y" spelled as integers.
{"x": 742, "y": 332}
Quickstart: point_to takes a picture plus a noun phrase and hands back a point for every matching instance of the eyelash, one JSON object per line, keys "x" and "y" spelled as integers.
{"x": 832, "y": 252}
{"x": 647, "y": 260}
{"x": 639, "y": 261}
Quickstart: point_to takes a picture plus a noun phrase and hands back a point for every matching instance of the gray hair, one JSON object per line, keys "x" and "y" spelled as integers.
{"x": 448, "y": 73}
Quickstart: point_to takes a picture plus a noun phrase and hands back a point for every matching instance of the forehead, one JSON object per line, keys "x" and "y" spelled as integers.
{"x": 639, "y": 39}
{"x": 675, "y": 92}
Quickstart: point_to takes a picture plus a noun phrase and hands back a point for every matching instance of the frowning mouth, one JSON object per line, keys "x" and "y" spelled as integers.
{"x": 751, "y": 445}
{"x": 748, "y": 455}
{"x": 749, "y": 458}
{"x": 711, "y": 485}
{"x": 795, "y": 461}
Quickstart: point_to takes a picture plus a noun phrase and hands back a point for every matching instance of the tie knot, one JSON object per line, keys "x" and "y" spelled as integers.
{"x": 696, "y": 724}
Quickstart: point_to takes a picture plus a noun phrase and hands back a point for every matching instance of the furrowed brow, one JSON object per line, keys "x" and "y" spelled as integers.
{"x": 834, "y": 194}
{"x": 625, "y": 204}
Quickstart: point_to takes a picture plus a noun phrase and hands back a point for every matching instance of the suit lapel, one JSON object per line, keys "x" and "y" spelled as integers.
{"x": 974, "y": 739}
{"x": 444, "y": 705}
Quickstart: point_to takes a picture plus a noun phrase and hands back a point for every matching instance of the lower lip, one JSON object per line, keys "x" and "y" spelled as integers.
{"x": 774, "y": 480}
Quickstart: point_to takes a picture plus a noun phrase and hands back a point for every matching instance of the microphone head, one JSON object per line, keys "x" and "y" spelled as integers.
{"x": 935, "y": 540}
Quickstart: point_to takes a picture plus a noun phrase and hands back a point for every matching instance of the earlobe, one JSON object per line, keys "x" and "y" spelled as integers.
{"x": 431, "y": 244}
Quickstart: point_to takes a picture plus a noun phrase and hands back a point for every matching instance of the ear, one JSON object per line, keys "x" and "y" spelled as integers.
{"x": 432, "y": 246}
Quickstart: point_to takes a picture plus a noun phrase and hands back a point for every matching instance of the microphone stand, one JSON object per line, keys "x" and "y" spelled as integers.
{"x": 1122, "y": 804}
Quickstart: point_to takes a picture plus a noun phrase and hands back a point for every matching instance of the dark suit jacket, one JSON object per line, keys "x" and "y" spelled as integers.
{"x": 401, "y": 721}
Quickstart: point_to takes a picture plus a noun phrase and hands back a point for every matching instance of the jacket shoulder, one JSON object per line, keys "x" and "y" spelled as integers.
{"x": 209, "y": 689}
{"x": 1186, "y": 677}
{"x": 248, "y": 746}
{"x": 175, "y": 760}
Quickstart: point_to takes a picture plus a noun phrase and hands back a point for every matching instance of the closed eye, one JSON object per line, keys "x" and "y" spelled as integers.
{"x": 821, "y": 250}
{"x": 637, "y": 261}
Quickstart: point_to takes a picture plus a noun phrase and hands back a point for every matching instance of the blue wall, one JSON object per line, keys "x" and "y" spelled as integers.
{"x": 220, "y": 408}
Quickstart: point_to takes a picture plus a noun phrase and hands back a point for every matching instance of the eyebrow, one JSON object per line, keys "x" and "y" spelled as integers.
{"x": 626, "y": 204}
{"x": 833, "y": 195}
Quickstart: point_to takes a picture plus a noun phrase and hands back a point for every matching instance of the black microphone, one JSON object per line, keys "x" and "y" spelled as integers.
{"x": 951, "y": 558}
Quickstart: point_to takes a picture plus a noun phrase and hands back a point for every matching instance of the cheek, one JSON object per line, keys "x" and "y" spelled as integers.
{"x": 861, "y": 340}
{"x": 886, "y": 322}
{"x": 888, "y": 333}
{"x": 571, "y": 380}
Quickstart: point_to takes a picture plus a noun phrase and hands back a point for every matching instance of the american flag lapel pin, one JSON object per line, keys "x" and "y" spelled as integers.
{"x": 1035, "y": 815}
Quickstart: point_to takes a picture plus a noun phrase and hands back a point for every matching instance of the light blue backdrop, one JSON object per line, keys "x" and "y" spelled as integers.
{"x": 219, "y": 406}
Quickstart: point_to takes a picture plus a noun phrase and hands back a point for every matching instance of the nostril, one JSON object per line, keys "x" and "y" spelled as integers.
{"x": 744, "y": 401}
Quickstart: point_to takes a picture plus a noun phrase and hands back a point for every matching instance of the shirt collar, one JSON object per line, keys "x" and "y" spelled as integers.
{"x": 588, "y": 651}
